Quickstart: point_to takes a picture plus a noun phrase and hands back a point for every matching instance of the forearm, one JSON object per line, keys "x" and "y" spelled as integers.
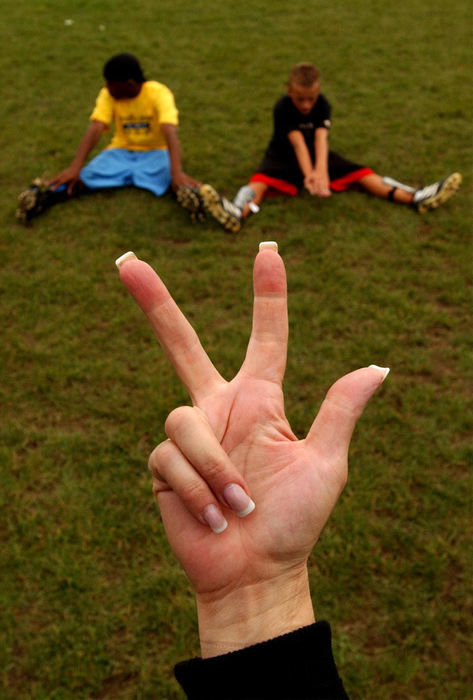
{"x": 174, "y": 149}
{"x": 254, "y": 613}
{"x": 89, "y": 141}
{"x": 321, "y": 149}
{"x": 303, "y": 158}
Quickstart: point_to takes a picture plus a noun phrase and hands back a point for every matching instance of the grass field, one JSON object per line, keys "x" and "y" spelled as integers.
{"x": 93, "y": 603}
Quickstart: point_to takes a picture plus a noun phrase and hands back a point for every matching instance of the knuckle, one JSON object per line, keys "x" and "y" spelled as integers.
{"x": 176, "y": 418}
{"x": 214, "y": 471}
{"x": 159, "y": 486}
{"x": 192, "y": 493}
{"x": 160, "y": 456}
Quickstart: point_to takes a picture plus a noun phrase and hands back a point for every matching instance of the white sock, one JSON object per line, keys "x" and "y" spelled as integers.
{"x": 244, "y": 196}
{"x": 399, "y": 185}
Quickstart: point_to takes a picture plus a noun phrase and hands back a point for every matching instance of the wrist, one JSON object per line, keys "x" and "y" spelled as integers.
{"x": 176, "y": 175}
{"x": 254, "y": 613}
{"x": 77, "y": 163}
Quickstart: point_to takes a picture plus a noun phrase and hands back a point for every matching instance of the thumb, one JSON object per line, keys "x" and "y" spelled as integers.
{"x": 344, "y": 403}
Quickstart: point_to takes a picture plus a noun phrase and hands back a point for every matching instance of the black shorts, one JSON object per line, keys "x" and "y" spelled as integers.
{"x": 289, "y": 179}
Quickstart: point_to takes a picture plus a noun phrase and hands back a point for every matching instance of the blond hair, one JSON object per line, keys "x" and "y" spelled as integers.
{"x": 304, "y": 74}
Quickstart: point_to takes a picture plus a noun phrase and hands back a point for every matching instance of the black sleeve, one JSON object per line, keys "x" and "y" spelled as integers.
{"x": 324, "y": 113}
{"x": 295, "y": 666}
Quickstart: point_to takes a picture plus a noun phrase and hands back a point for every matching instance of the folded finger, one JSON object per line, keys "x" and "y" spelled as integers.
{"x": 172, "y": 471}
{"x": 267, "y": 348}
{"x": 195, "y": 467}
{"x": 188, "y": 428}
{"x": 175, "y": 334}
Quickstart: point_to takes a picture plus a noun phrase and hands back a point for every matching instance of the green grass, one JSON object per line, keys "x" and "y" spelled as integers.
{"x": 93, "y": 604}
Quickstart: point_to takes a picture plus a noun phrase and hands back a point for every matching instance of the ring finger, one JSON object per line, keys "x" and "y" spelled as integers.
{"x": 172, "y": 471}
{"x": 195, "y": 465}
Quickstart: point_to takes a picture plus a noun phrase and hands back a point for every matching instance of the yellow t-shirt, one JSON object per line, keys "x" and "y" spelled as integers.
{"x": 137, "y": 120}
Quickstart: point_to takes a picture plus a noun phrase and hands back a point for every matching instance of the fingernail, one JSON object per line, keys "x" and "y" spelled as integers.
{"x": 123, "y": 258}
{"x": 268, "y": 245}
{"x": 384, "y": 370}
{"x": 238, "y": 500}
{"x": 213, "y": 516}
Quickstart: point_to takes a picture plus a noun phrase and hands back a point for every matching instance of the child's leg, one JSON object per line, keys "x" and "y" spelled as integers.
{"x": 429, "y": 197}
{"x": 230, "y": 215}
{"x": 110, "y": 168}
{"x": 151, "y": 170}
{"x": 375, "y": 185}
{"x": 37, "y": 198}
{"x": 250, "y": 196}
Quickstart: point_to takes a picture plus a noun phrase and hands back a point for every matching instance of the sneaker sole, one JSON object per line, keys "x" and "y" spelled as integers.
{"x": 189, "y": 200}
{"x": 27, "y": 200}
{"x": 449, "y": 187}
{"x": 213, "y": 206}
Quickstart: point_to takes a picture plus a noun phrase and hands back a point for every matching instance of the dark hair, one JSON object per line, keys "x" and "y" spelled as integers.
{"x": 123, "y": 67}
{"x": 304, "y": 74}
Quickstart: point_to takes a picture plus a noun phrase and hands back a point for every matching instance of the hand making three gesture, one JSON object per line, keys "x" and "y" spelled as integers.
{"x": 243, "y": 501}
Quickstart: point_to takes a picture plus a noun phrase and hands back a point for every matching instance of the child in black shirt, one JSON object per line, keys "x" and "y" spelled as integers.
{"x": 298, "y": 156}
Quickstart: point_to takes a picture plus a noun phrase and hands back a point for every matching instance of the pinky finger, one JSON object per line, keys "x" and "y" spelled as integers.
{"x": 173, "y": 472}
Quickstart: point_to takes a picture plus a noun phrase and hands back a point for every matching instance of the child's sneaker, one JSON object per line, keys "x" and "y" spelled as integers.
{"x": 35, "y": 199}
{"x": 432, "y": 196}
{"x": 221, "y": 209}
{"x": 188, "y": 198}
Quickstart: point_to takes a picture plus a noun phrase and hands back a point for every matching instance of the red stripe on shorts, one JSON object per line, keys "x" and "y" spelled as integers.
{"x": 275, "y": 184}
{"x": 343, "y": 183}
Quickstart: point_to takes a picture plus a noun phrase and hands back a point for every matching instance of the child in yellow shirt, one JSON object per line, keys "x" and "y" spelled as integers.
{"x": 144, "y": 150}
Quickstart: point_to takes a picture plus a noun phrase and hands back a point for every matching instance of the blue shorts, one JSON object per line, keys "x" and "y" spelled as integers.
{"x": 118, "y": 167}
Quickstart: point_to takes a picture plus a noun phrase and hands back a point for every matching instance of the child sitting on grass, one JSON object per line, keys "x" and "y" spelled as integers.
{"x": 298, "y": 156}
{"x": 144, "y": 151}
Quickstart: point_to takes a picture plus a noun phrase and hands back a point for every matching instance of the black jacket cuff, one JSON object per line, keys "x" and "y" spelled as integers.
{"x": 295, "y": 666}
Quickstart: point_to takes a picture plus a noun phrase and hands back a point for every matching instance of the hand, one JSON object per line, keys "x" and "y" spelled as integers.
{"x": 250, "y": 580}
{"x": 178, "y": 177}
{"x": 183, "y": 179}
{"x": 318, "y": 183}
{"x": 69, "y": 176}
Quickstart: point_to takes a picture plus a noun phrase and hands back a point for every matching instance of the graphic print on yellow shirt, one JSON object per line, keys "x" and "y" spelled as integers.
{"x": 137, "y": 120}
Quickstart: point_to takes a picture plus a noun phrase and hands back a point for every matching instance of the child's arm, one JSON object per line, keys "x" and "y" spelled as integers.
{"x": 302, "y": 152}
{"x": 178, "y": 177}
{"x": 71, "y": 174}
{"x": 318, "y": 181}
{"x": 316, "y": 178}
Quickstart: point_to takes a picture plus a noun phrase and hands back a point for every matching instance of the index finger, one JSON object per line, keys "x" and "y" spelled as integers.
{"x": 176, "y": 336}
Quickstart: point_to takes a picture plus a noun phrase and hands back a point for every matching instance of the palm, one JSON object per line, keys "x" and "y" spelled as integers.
{"x": 263, "y": 455}
{"x": 295, "y": 484}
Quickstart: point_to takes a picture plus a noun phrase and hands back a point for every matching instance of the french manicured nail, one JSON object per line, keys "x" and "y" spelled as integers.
{"x": 213, "y": 516}
{"x": 238, "y": 500}
{"x": 268, "y": 245}
{"x": 384, "y": 370}
{"x": 123, "y": 258}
